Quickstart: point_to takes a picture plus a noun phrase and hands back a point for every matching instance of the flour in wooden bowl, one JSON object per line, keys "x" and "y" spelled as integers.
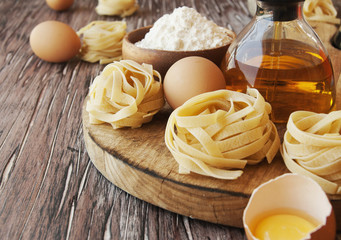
{"x": 185, "y": 30}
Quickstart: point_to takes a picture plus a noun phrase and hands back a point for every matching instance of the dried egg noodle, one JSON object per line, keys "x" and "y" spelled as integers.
{"x": 120, "y": 8}
{"x": 102, "y": 41}
{"x": 218, "y": 133}
{"x": 312, "y": 146}
{"x": 320, "y": 10}
{"x": 125, "y": 94}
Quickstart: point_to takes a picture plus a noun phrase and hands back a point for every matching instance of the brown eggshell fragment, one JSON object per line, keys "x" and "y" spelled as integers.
{"x": 54, "y": 41}
{"x": 327, "y": 231}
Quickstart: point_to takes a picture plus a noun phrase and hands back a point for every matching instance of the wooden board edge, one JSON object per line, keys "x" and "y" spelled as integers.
{"x": 211, "y": 206}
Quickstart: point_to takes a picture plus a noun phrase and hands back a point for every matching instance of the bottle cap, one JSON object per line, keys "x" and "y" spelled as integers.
{"x": 283, "y": 10}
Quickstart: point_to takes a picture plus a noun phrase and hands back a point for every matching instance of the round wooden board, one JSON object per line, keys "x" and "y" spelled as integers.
{"x": 138, "y": 162}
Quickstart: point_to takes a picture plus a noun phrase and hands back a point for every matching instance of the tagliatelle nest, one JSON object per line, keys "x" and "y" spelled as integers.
{"x": 218, "y": 133}
{"x": 320, "y": 10}
{"x": 102, "y": 41}
{"x": 312, "y": 147}
{"x": 125, "y": 94}
{"x": 120, "y": 8}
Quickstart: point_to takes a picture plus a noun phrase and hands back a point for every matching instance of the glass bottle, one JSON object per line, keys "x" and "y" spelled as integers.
{"x": 279, "y": 54}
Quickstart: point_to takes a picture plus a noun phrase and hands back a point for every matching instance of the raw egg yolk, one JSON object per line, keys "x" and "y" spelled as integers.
{"x": 283, "y": 227}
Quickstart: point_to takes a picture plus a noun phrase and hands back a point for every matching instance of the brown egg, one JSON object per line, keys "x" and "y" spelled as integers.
{"x": 59, "y": 5}
{"x": 54, "y": 41}
{"x": 189, "y": 77}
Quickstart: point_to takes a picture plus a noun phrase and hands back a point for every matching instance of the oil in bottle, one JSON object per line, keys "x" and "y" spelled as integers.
{"x": 293, "y": 77}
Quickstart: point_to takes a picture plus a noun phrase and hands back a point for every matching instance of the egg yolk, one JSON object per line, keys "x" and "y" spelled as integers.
{"x": 283, "y": 227}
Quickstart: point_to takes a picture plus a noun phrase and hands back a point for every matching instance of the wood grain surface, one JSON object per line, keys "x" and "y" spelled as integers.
{"x": 49, "y": 189}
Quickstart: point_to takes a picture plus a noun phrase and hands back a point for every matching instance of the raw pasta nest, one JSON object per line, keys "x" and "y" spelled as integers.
{"x": 320, "y": 10}
{"x": 312, "y": 146}
{"x": 102, "y": 41}
{"x": 125, "y": 94}
{"x": 218, "y": 133}
{"x": 120, "y": 8}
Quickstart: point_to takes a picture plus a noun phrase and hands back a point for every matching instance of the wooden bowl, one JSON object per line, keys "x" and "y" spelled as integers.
{"x": 160, "y": 59}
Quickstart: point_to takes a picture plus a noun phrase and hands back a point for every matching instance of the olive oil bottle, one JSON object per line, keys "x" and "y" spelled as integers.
{"x": 279, "y": 54}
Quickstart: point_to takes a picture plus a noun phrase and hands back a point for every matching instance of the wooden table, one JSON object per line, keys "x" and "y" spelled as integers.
{"x": 49, "y": 189}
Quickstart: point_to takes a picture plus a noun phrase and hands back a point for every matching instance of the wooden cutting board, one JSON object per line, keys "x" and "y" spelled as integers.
{"x": 138, "y": 161}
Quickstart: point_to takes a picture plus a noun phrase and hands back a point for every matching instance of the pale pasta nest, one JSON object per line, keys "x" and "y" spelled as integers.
{"x": 312, "y": 146}
{"x": 217, "y": 133}
{"x": 120, "y": 8}
{"x": 125, "y": 94}
{"x": 320, "y": 10}
{"x": 102, "y": 41}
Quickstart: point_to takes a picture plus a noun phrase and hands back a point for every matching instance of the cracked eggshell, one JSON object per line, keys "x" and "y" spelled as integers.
{"x": 296, "y": 192}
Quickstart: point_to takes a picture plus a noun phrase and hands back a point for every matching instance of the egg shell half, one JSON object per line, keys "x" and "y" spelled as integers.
{"x": 54, "y": 41}
{"x": 292, "y": 191}
{"x": 191, "y": 76}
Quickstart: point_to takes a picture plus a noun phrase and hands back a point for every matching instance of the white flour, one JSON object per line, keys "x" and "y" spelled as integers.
{"x": 185, "y": 30}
